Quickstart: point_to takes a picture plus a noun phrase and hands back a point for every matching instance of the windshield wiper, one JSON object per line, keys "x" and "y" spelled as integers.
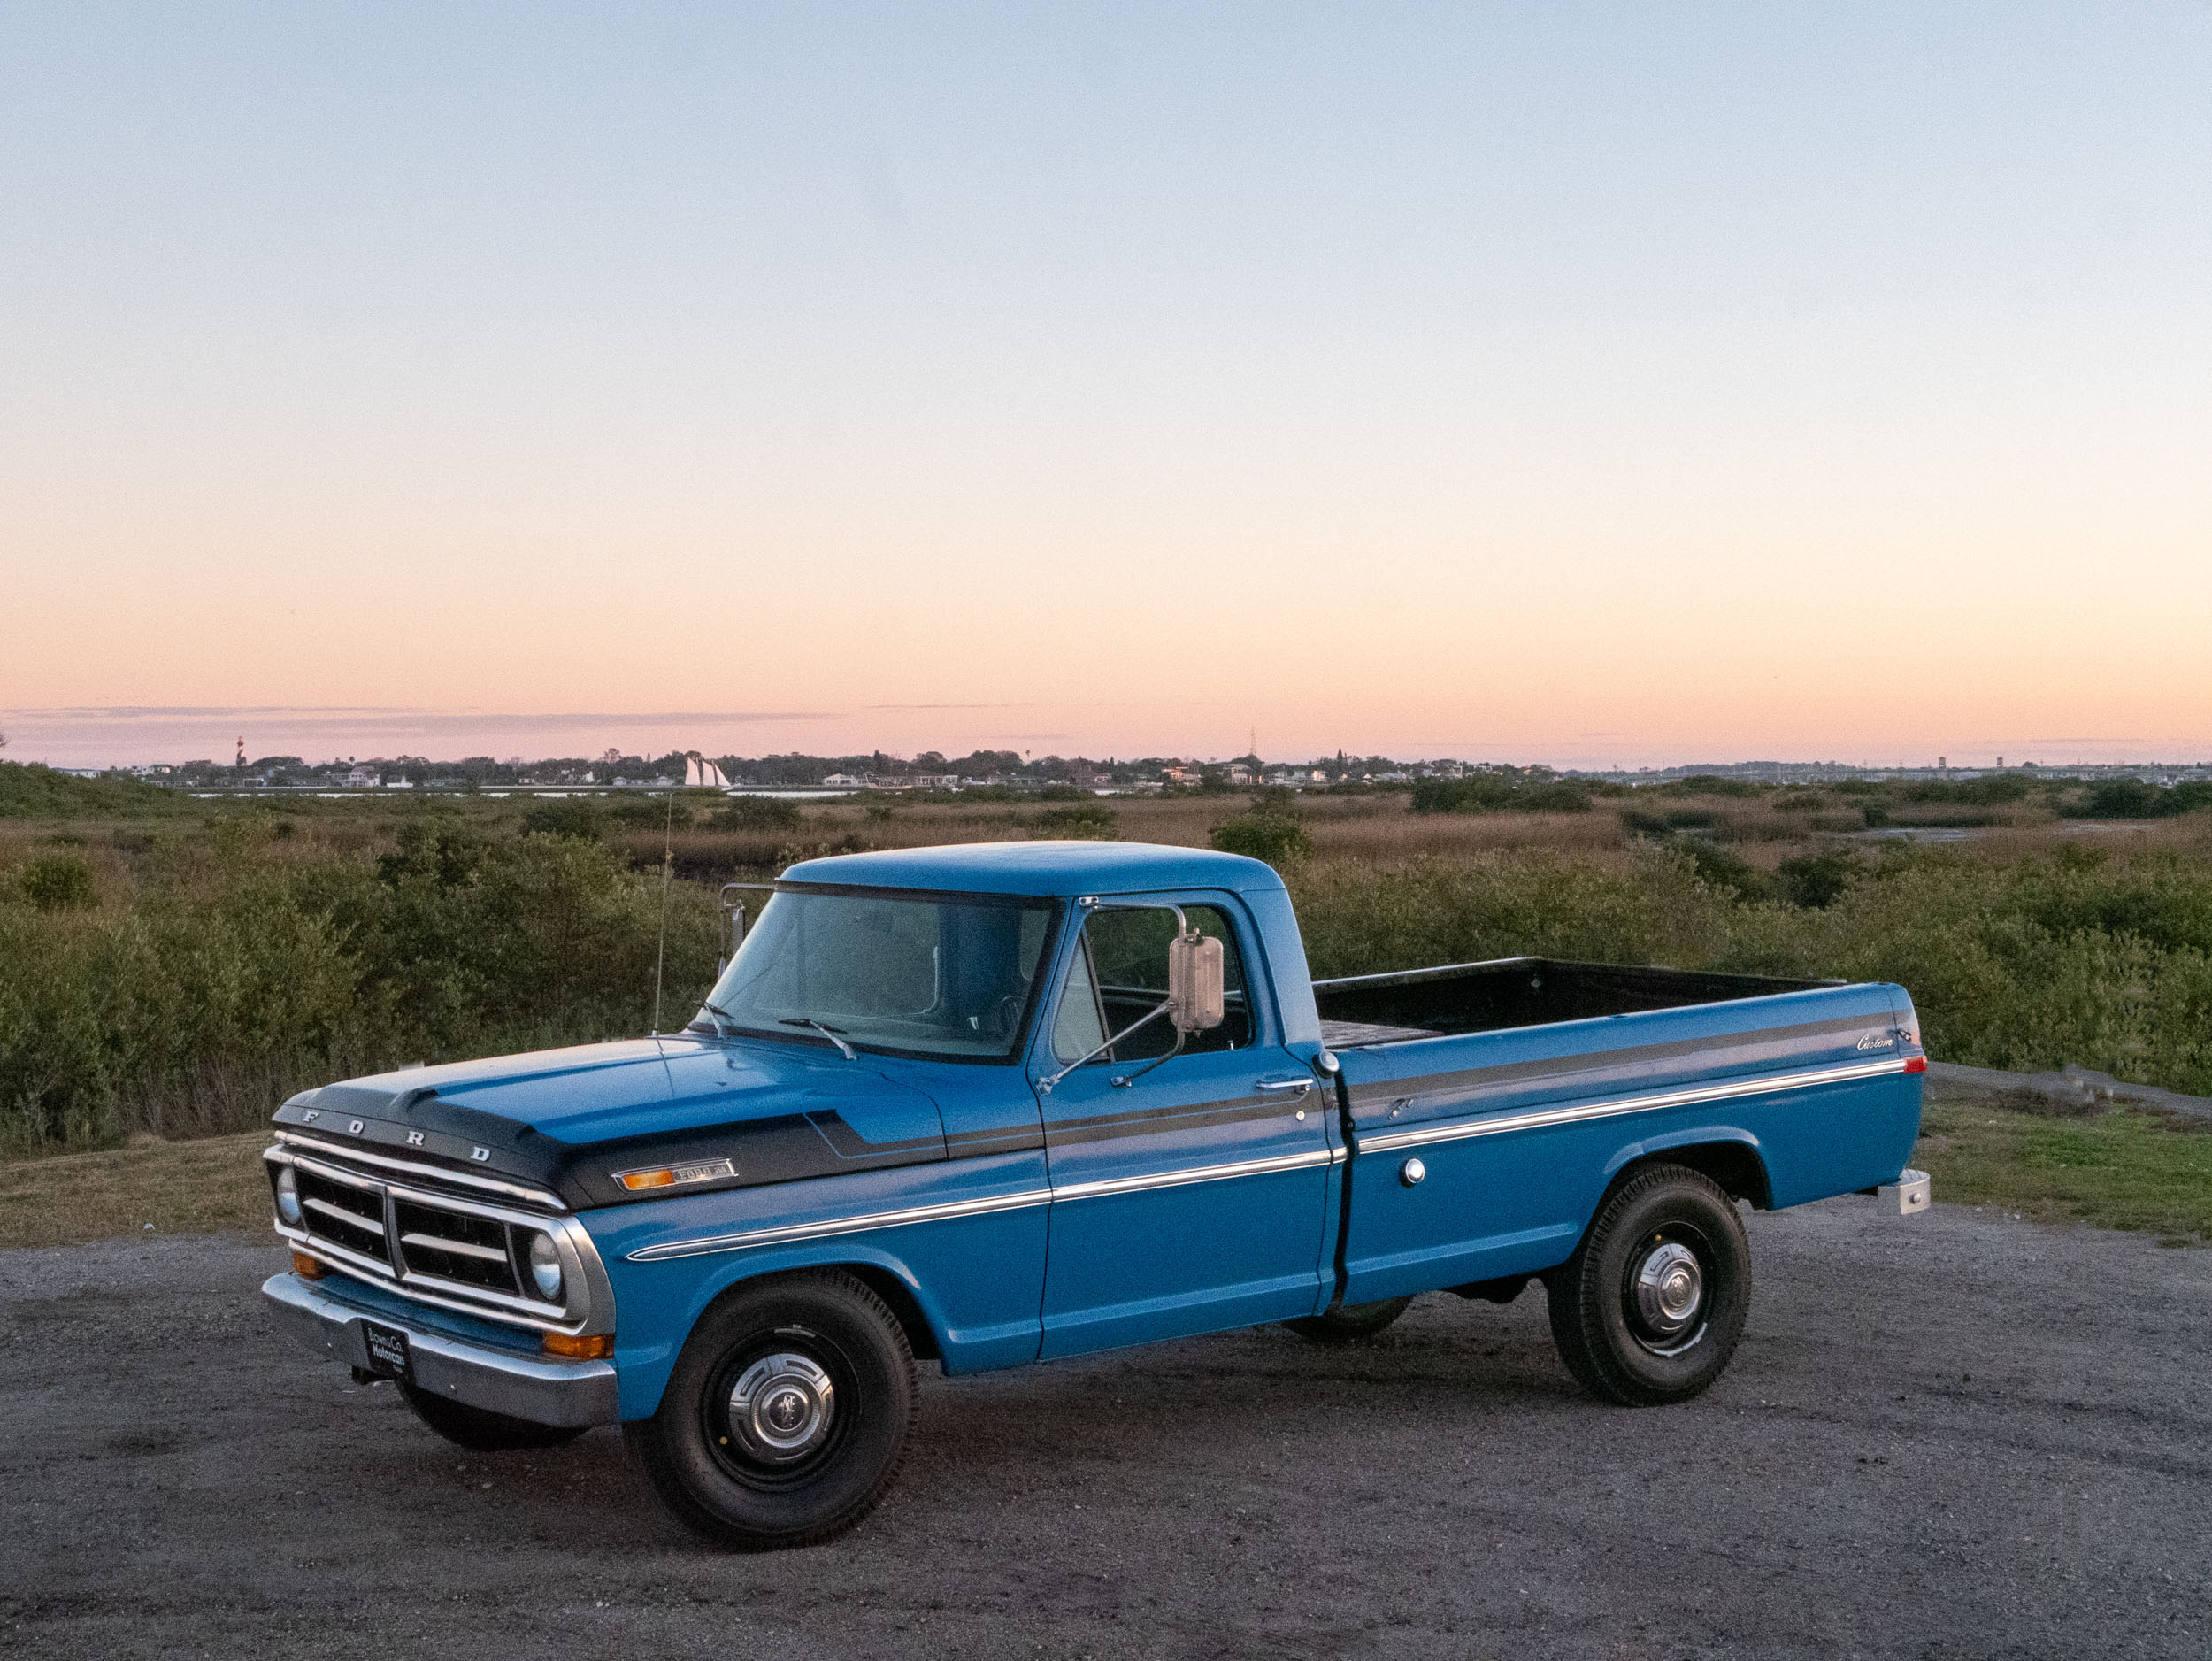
{"x": 721, "y": 1016}
{"x": 843, "y": 1049}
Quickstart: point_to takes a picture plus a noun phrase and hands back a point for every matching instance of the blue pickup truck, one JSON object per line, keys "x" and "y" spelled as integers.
{"x": 999, "y": 1104}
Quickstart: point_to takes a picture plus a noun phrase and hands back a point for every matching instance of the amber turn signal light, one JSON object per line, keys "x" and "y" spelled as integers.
{"x": 306, "y": 1267}
{"x": 592, "y": 1347}
{"x": 635, "y": 1179}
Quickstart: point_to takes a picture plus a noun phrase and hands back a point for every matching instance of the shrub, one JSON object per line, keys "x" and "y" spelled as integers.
{"x": 1720, "y": 869}
{"x": 1495, "y": 793}
{"x": 56, "y": 882}
{"x": 757, "y": 813}
{"x": 1817, "y": 880}
{"x": 574, "y": 816}
{"x": 1711, "y": 784}
{"x": 648, "y": 812}
{"x": 2133, "y": 798}
{"x": 1267, "y": 837}
{"x": 1088, "y": 822}
{"x": 28, "y": 791}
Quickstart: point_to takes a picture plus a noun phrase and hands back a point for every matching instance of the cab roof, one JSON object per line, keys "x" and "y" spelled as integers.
{"x": 1059, "y": 869}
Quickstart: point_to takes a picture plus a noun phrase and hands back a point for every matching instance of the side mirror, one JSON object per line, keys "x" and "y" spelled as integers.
{"x": 1194, "y": 1001}
{"x": 733, "y": 925}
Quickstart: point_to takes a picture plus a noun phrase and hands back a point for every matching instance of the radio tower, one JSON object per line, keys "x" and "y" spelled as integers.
{"x": 241, "y": 754}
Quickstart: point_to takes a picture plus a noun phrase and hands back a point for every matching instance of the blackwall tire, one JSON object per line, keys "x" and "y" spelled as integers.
{"x": 480, "y": 1430}
{"x": 1349, "y": 1324}
{"x": 1649, "y": 1308}
{"x": 786, "y": 1417}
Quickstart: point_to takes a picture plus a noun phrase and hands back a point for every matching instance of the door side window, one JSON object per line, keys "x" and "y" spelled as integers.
{"x": 1120, "y": 975}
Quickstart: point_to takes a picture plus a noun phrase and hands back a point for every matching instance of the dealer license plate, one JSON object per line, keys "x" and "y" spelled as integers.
{"x": 387, "y": 1349}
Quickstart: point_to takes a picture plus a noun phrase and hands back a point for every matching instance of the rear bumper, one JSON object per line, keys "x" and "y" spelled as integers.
{"x": 545, "y": 1392}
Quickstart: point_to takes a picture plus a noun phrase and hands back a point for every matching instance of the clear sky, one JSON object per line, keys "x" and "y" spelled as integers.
{"x": 1590, "y": 384}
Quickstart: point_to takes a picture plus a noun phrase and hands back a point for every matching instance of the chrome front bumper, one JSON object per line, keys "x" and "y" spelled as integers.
{"x": 545, "y": 1392}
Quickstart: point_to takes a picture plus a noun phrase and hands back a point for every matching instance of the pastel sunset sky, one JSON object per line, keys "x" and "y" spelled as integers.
{"x": 1597, "y": 385}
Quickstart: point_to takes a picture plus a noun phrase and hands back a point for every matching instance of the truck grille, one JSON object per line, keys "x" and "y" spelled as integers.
{"x": 462, "y": 1253}
{"x": 442, "y": 1245}
{"x": 346, "y": 1216}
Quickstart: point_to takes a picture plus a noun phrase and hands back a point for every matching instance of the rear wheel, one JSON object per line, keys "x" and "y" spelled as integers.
{"x": 1650, "y": 1306}
{"x": 1350, "y": 1323}
{"x": 480, "y": 1430}
{"x": 787, "y": 1416}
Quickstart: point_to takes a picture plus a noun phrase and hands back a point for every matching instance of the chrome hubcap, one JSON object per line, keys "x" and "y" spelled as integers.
{"x": 1669, "y": 1287}
{"x": 780, "y": 1407}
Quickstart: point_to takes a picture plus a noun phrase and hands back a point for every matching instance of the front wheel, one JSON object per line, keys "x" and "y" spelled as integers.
{"x": 1650, "y": 1306}
{"x": 786, "y": 1415}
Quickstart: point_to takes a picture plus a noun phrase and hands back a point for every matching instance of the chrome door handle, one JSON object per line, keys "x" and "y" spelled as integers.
{"x": 1295, "y": 1088}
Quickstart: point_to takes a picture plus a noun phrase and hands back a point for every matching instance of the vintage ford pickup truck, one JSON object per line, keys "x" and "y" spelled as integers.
{"x": 1012, "y": 1102}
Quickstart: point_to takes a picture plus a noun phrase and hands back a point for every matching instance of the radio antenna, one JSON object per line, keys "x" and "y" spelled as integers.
{"x": 668, "y": 865}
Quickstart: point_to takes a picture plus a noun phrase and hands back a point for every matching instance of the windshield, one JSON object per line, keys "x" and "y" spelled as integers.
{"x": 929, "y": 974}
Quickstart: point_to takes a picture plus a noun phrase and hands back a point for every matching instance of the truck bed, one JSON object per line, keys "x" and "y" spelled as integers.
{"x": 1361, "y": 1011}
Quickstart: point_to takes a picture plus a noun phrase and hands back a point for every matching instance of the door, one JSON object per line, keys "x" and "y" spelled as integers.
{"x": 1189, "y": 1189}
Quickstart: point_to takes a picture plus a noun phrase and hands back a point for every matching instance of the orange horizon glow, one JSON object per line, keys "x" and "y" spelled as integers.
{"x": 1588, "y": 390}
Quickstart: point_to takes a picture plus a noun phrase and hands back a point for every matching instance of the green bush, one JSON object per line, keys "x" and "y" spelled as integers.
{"x": 1497, "y": 793}
{"x": 30, "y": 791}
{"x": 2027, "y": 966}
{"x": 1721, "y": 869}
{"x": 648, "y": 812}
{"x": 757, "y": 813}
{"x": 573, "y": 816}
{"x": 1712, "y": 784}
{"x": 1089, "y": 821}
{"x": 230, "y": 983}
{"x": 2134, "y": 798}
{"x": 1276, "y": 841}
{"x": 56, "y": 882}
{"x": 1817, "y": 880}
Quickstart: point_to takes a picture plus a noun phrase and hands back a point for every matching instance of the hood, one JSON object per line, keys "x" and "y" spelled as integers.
{"x": 567, "y": 1121}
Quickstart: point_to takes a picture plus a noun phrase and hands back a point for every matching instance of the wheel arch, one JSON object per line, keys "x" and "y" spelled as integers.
{"x": 1731, "y": 1158}
{"x": 881, "y": 1274}
{"x": 645, "y": 1372}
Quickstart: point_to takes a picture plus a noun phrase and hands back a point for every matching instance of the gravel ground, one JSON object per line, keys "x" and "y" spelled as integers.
{"x": 1952, "y": 1435}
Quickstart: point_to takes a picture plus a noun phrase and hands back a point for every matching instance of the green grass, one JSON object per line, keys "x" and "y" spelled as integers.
{"x": 192, "y": 1188}
{"x": 2120, "y": 1169}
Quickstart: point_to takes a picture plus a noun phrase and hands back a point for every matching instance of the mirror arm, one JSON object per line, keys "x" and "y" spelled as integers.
{"x": 1045, "y": 1085}
{"x": 732, "y": 914}
{"x": 1128, "y": 1078}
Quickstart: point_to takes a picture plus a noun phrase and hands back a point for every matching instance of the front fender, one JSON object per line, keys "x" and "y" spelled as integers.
{"x": 975, "y": 1277}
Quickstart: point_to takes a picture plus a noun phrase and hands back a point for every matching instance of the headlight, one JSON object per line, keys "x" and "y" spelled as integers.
{"x": 545, "y": 1267}
{"x": 287, "y": 1193}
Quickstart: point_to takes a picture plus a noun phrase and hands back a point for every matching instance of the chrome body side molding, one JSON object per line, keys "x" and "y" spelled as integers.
{"x": 1502, "y": 1124}
{"x": 787, "y": 1233}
